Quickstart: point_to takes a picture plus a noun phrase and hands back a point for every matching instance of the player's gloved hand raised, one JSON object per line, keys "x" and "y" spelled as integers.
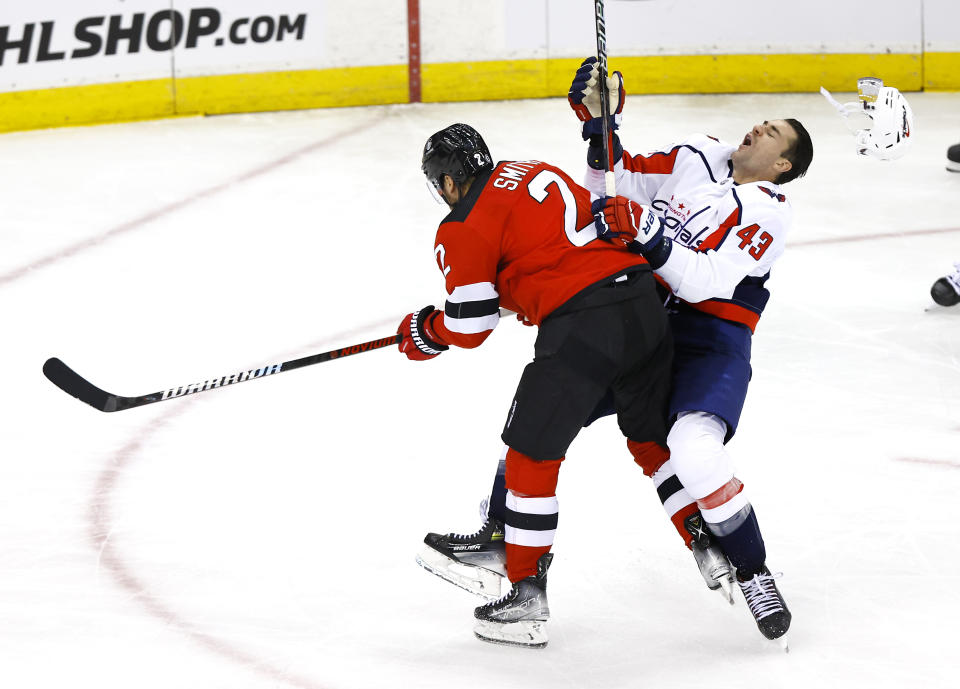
{"x": 584, "y": 98}
{"x": 420, "y": 342}
{"x": 635, "y": 226}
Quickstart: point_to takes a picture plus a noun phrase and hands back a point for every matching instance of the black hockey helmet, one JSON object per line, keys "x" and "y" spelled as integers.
{"x": 458, "y": 151}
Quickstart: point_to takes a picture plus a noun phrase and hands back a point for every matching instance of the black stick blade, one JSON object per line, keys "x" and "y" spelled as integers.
{"x": 73, "y": 384}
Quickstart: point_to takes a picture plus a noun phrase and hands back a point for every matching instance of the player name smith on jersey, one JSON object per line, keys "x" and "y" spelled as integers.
{"x": 523, "y": 238}
{"x": 732, "y": 233}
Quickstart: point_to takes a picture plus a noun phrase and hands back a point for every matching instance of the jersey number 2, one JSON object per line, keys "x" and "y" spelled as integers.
{"x": 538, "y": 189}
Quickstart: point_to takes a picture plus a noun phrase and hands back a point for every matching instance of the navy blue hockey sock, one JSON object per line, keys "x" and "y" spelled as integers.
{"x": 498, "y": 494}
{"x": 740, "y": 539}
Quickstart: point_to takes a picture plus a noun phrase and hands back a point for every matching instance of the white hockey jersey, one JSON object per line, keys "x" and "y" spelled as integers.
{"x": 726, "y": 235}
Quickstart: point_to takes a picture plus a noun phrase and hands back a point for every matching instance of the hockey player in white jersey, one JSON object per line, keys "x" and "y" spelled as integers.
{"x": 711, "y": 219}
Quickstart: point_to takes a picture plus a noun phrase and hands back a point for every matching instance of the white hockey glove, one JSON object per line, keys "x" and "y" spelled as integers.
{"x": 892, "y": 119}
{"x": 584, "y": 98}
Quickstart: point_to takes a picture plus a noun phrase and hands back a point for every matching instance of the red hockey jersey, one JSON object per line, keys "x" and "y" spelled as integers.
{"x": 523, "y": 238}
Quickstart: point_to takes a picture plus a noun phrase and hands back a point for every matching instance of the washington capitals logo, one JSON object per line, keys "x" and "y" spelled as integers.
{"x": 679, "y": 209}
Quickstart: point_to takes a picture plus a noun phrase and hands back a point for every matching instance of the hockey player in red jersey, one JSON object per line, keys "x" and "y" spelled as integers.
{"x": 520, "y": 234}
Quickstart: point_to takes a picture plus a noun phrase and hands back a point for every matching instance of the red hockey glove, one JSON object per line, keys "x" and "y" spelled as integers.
{"x": 635, "y": 226}
{"x": 420, "y": 342}
{"x": 620, "y": 219}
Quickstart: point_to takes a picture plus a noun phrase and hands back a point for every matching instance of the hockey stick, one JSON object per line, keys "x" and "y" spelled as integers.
{"x": 74, "y": 384}
{"x": 609, "y": 176}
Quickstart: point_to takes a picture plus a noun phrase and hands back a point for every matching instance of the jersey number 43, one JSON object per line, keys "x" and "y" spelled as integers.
{"x": 746, "y": 239}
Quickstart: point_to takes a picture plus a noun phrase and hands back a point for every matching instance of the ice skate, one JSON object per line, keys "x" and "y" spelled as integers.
{"x": 713, "y": 564}
{"x": 953, "y": 158}
{"x": 767, "y": 605}
{"x": 475, "y": 562}
{"x": 946, "y": 290}
{"x": 520, "y": 617}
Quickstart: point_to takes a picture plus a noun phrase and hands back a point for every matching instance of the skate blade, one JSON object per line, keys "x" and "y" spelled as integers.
{"x": 724, "y": 585}
{"x": 726, "y": 588}
{"x": 526, "y": 634}
{"x": 933, "y": 307}
{"x": 477, "y": 580}
{"x": 780, "y": 643}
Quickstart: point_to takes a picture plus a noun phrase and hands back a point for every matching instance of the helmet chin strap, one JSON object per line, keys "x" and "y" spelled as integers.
{"x": 845, "y": 109}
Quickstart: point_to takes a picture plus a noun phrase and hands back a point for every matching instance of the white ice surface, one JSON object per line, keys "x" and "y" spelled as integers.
{"x": 263, "y": 535}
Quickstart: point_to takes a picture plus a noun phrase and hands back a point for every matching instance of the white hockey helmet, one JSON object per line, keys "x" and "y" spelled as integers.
{"x": 892, "y": 119}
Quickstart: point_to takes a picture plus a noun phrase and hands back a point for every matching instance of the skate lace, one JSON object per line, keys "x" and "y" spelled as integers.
{"x": 503, "y": 599}
{"x": 954, "y": 277}
{"x": 761, "y": 595}
{"x": 484, "y": 515}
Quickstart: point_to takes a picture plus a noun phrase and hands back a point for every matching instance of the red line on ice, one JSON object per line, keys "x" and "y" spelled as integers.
{"x": 113, "y": 562}
{"x": 138, "y": 222}
{"x": 100, "y": 522}
{"x": 932, "y": 462}
{"x": 872, "y": 237}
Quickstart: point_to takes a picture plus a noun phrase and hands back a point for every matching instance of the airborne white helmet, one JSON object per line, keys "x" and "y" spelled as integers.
{"x": 889, "y": 113}
{"x": 892, "y": 117}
